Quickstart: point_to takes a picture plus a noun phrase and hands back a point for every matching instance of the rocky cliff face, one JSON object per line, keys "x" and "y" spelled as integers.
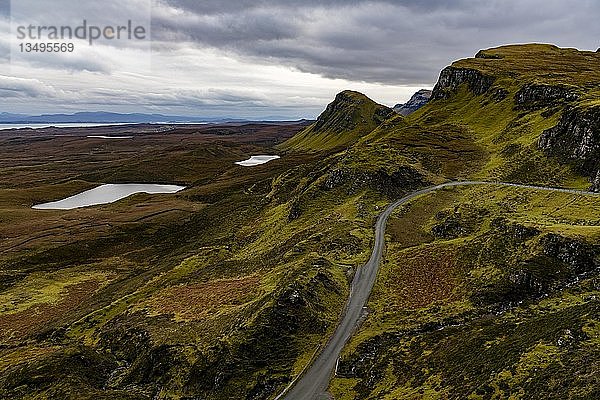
{"x": 579, "y": 256}
{"x": 417, "y": 101}
{"x": 537, "y": 96}
{"x": 596, "y": 182}
{"x": 452, "y": 77}
{"x": 576, "y": 138}
{"x": 391, "y": 184}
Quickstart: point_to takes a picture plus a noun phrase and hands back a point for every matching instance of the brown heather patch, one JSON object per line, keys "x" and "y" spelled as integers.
{"x": 197, "y": 301}
{"x": 10, "y": 358}
{"x": 421, "y": 277}
{"x": 19, "y": 325}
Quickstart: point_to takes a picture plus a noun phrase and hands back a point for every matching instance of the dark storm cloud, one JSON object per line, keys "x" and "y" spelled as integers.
{"x": 238, "y": 46}
{"x": 392, "y": 42}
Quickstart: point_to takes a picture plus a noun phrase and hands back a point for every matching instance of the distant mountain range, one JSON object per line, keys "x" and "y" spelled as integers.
{"x": 107, "y": 118}
{"x": 417, "y": 101}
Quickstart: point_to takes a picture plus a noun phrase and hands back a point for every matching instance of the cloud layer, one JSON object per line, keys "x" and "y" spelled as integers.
{"x": 391, "y": 42}
{"x": 273, "y": 58}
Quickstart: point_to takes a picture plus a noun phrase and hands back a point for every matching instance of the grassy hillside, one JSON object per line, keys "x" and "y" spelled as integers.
{"x": 222, "y": 291}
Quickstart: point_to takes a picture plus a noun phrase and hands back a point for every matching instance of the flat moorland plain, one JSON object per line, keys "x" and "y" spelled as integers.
{"x": 38, "y": 167}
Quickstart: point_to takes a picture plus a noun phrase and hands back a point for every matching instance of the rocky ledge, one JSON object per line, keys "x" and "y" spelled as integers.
{"x": 452, "y": 77}
{"x": 391, "y": 184}
{"x": 538, "y": 96}
{"x": 576, "y": 138}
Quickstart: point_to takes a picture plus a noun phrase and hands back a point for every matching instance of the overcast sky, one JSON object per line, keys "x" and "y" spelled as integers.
{"x": 267, "y": 58}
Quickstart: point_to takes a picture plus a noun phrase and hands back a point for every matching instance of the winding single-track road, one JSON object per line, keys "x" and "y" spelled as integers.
{"x": 313, "y": 383}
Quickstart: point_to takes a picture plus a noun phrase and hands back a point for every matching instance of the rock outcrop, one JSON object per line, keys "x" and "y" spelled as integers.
{"x": 453, "y": 77}
{"x": 417, "y": 101}
{"x": 391, "y": 184}
{"x": 576, "y": 138}
{"x": 579, "y": 256}
{"x": 537, "y": 96}
{"x": 485, "y": 54}
{"x": 596, "y": 182}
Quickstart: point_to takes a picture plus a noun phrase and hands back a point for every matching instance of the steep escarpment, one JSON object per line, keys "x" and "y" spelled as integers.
{"x": 541, "y": 95}
{"x": 536, "y": 63}
{"x": 525, "y": 104}
{"x": 576, "y": 139}
{"x": 349, "y": 117}
{"x": 484, "y": 120}
{"x": 451, "y": 78}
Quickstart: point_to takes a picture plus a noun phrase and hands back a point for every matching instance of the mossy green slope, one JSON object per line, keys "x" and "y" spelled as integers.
{"x": 537, "y": 63}
{"x": 348, "y": 118}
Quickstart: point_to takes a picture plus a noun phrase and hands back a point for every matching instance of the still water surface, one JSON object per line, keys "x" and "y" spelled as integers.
{"x": 256, "y": 160}
{"x": 106, "y": 194}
